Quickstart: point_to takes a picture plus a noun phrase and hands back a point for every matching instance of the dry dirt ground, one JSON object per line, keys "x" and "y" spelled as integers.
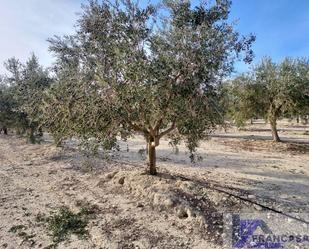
{"x": 236, "y": 171}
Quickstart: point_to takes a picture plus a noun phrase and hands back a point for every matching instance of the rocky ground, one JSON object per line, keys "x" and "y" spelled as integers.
{"x": 182, "y": 207}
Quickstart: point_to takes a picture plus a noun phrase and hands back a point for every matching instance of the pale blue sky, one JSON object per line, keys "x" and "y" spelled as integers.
{"x": 26, "y": 24}
{"x": 281, "y": 26}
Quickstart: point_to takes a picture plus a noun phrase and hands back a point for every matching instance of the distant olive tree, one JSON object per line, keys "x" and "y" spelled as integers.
{"x": 23, "y": 87}
{"x": 7, "y": 115}
{"x": 152, "y": 70}
{"x": 241, "y": 98}
{"x": 270, "y": 91}
{"x": 300, "y": 108}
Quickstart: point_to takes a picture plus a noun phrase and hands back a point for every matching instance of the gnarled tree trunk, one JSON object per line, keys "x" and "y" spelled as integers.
{"x": 274, "y": 131}
{"x": 273, "y": 115}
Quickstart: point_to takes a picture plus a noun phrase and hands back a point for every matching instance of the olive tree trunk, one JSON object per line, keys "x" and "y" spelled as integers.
{"x": 5, "y": 130}
{"x": 274, "y": 131}
{"x": 152, "y": 157}
{"x": 31, "y": 137}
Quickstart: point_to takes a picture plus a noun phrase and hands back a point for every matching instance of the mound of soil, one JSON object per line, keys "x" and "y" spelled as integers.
{"x": 197, "y": 206}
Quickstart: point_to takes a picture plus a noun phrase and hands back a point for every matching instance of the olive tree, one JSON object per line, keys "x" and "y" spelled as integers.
{"x": 300, "y": 107}
{"x": 25, "y": 85}
{"x": 271, "y": 91}
{"x": 242, "y": 99}
{"x": 6, "y": 107}
{"x": 152, "y": 70}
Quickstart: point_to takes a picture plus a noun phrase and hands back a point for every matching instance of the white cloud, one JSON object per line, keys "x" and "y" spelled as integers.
{"x": 26, "y": 24}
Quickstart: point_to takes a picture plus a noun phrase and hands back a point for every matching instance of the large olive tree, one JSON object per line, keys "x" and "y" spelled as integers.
{"x": 152, "y": 70}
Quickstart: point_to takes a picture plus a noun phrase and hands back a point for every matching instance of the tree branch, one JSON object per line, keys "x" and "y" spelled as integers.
{"x": 163, "y": 133}
{"x": 158, "y": 124}
{"x": 132, "y": 125}
{"x": 137, "y": 128}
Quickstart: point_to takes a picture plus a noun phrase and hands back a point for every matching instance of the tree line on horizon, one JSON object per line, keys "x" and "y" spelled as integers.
{"x": 157, "y": 70}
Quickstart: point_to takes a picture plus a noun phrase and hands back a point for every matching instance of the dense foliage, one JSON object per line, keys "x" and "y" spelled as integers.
{"x": 21, "y": 94}
{"x": 152, "y": 70}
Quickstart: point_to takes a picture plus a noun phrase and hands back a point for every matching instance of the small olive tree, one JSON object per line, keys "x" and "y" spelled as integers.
{"x": 152, "y": 70}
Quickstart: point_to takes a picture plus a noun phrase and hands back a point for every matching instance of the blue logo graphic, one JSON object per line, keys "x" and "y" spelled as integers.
{"x": 244, "y": 237}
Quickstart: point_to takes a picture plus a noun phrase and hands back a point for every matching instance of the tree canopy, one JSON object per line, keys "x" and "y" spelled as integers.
{"x": 147, "y": 69}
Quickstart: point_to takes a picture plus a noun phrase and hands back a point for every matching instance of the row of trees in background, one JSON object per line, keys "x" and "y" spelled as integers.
{"x": 270, "y": 91}
{"x": 21, "y": 97}
{"x": 153, "y": 70}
